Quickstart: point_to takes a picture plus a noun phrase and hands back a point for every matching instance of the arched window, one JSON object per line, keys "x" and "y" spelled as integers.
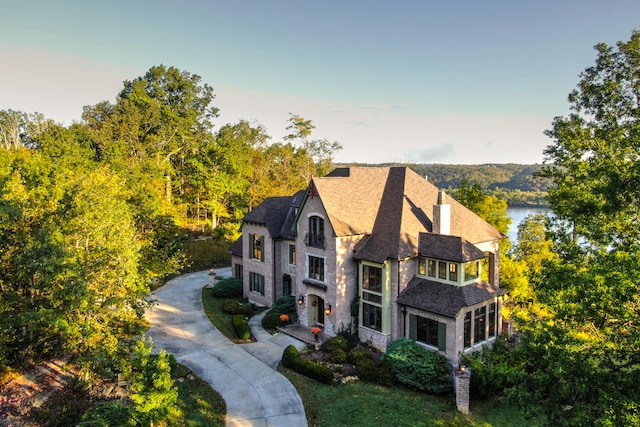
{"x": 316, "y": 232}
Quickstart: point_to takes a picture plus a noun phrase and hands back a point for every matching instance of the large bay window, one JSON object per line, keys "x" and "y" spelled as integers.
{"x": 442, "y": 271}
{"x": 484, "y": 321}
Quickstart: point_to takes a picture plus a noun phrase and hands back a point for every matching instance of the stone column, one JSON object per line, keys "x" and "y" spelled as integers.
{"x": 462, "y": 382}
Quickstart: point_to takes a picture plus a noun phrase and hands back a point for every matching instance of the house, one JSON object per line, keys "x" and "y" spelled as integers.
{"x": 380, "y": 251}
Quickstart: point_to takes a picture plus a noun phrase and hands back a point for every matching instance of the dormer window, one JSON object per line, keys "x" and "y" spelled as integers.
{"x": 315, "y": 237}
{"x": 471, "y": 271}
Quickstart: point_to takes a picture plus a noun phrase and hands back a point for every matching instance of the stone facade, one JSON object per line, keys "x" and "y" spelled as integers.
{"x": 376, "y": 217}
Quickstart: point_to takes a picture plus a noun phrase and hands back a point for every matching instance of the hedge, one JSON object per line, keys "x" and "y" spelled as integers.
{"x": 418, "y": 368}
{"x": 291, "y": 359}
{"x": 228, "y": 288}
{"x": 241, "y": 327}
{"x": 236, "y": 307}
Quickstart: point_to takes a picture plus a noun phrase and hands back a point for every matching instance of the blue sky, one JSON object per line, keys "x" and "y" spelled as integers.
{"x": 407, "y": 81}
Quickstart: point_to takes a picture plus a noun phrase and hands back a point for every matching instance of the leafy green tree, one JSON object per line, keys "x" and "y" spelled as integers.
{"x": 534, "y": 247}
{"x": 593, "y": 161}
{"x": 582, "y": 351}
{"x": 154, "y": 393}
{"x": 489, "y": 208}
{"x": 319, "y": 152}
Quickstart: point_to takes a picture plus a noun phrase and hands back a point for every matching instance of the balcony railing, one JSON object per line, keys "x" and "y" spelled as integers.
{"x": 315, "y": 240}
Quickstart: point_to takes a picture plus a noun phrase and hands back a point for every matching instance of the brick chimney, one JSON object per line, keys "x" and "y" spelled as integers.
{"x": 442, "y": 215}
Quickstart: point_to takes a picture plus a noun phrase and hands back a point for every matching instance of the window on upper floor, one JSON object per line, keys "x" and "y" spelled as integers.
{"x": 422, "y": 266}
{"x": 257, "y": 246}
{"x": 372, "y": 297}
{"x": 371, "y": 278}
{"x": 315, "y": 237}
{"x": 316, "y": 268}
{"x": 292, "y": 254}
{"x": 442, "y": 271}
{"x": 471, "y": 270}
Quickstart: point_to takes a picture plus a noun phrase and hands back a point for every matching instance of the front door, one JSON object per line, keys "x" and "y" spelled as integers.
{"x": 316, "y": 314}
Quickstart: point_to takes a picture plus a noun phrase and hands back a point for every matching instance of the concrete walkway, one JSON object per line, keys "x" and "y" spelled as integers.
{"x": 255, "y": 393}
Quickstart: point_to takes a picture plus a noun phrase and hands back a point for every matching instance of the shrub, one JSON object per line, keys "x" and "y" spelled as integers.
{"x": 493, "y": 370}
{"x": 241, "y": 327}
{"x": 289, "y": 356}
{"x": 352, "y": 338}
{"x": 291, "y": 359}
{"x": 284, "y": 305}
{"x": 369, "y": 369}
{"x": 236, "y": 307}
{"x": 314, "y": 370}
{"x": 228, "y": 288}
{"x": 337, "y": 348}
{"x": 419, "y": 368}
{"x": 271, "y": 320}
{"x": 107, "y": 414}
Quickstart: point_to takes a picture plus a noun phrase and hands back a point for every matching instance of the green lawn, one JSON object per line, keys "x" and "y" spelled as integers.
{"x": 198, "y": 404}
{"x": 213, "y": 310}
{"x": 362, "y": 404}
{"x": 368, "y": 405}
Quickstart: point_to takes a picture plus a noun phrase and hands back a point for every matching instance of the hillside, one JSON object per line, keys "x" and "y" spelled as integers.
{"x": 514, "y": 182}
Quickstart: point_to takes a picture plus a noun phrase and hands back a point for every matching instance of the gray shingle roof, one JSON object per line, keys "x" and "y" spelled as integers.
{"x": 391, "y": 205}
{"x": 277, "y": 214}
{"x": 449, "y": 248}
{"x": 446, "y": 300}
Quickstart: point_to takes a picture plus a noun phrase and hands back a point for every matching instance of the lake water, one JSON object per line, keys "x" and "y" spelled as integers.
{"x": 519, "y": 214}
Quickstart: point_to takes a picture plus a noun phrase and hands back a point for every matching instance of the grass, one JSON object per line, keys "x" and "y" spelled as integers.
{"x": 363, "y": 404}
{"x": 358, "y": 404}
{"x": 221, "y": 320}
{"x": 213, "y": 310}
{"x": 198, "y": 404}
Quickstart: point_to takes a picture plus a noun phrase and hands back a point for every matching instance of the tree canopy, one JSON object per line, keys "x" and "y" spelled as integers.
{"x": 582, "y": 352}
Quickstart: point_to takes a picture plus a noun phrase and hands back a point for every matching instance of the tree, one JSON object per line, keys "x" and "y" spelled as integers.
{"x": 489, "y": 208}
{"x": 534, "y": 247}
{"x": 594, "y": 159}
{"x": 158, "y": 121}
{"x": 582, "y": 351}
{"x": 320, "y": 152}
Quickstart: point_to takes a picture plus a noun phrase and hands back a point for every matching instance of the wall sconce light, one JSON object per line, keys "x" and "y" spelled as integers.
{"x": 463, "y": 368}
{"x": 328, "y": 309}
{"x": 301, "y": 300}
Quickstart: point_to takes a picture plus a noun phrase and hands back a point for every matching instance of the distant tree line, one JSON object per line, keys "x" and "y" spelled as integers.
{"x": 517, "y": 184}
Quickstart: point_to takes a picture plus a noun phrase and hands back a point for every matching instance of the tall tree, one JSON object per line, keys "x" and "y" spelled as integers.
{"x": 489, "y": 208}
{"x": 594, "y": 159}
{"x": 582, "y": 353}
{"x": 319, "y": 152}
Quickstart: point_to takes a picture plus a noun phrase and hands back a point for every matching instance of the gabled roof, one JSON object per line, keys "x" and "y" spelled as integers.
{"x": 391, "y": 206}
{"x": 448, "y": 248}
{"x": 444, "y": 299}
{"x": 277, "y": 214}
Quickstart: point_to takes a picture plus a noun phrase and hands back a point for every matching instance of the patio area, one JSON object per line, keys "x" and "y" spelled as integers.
{"x": 304, "y": 333}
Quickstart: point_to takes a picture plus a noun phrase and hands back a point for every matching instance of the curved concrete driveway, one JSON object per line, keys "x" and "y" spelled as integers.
{"x": 256, "y": 394}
